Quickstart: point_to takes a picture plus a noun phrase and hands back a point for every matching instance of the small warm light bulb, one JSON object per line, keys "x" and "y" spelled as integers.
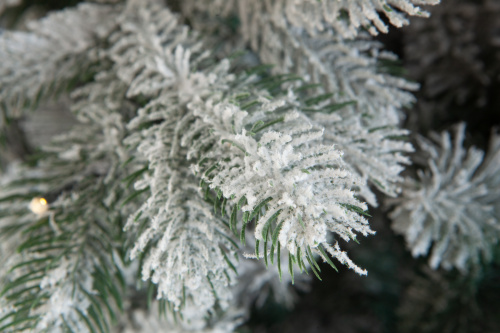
{"x": 39, "y": 205}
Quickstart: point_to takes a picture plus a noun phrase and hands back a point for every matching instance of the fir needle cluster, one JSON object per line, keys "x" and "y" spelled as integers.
{"x": 192, "y": 168}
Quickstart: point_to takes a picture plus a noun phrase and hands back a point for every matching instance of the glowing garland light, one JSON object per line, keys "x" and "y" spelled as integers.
{"x": 39, "y": 205}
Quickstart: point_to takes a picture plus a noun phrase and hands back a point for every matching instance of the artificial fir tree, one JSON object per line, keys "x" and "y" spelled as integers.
{"x": 223, "y": 153}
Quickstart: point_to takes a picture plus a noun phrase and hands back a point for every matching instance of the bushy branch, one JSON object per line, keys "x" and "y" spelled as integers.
{"x": 56, "y": 53}
{"x": 296, "y": 189}
{"x": 352, "y": 73}
{"x": 453, "y": 205}
{"x": 67, "y": 274}
{"x": 347, "y": 17}
{"x": 197, "y": 116}
{"x": 194, "y": 152}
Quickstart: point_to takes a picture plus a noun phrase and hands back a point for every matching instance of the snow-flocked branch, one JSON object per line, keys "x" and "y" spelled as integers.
{"x": 351, "y": 72}
{"x": 347, "y": 17}
{"x": 451, "y": 212}
{"x": 55, "y": 53}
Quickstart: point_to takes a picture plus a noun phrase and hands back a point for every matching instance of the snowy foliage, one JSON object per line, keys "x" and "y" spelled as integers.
{"x": 375, "y": 154}
{"x": 349, "y": 69}
{"x": 347, "y": 17}
{"x": 75, "y": 242}
{"x": 279, "y": 177}
{"x": 68, "y": 251}
{"x": 180, "y": 151}
{"x": 276, "y": 172}
{"x": 56, "y": 52}
{"x": 354, "y": 72}
{"x": 187, "y": 258}
{"x": 453, "y": 206}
